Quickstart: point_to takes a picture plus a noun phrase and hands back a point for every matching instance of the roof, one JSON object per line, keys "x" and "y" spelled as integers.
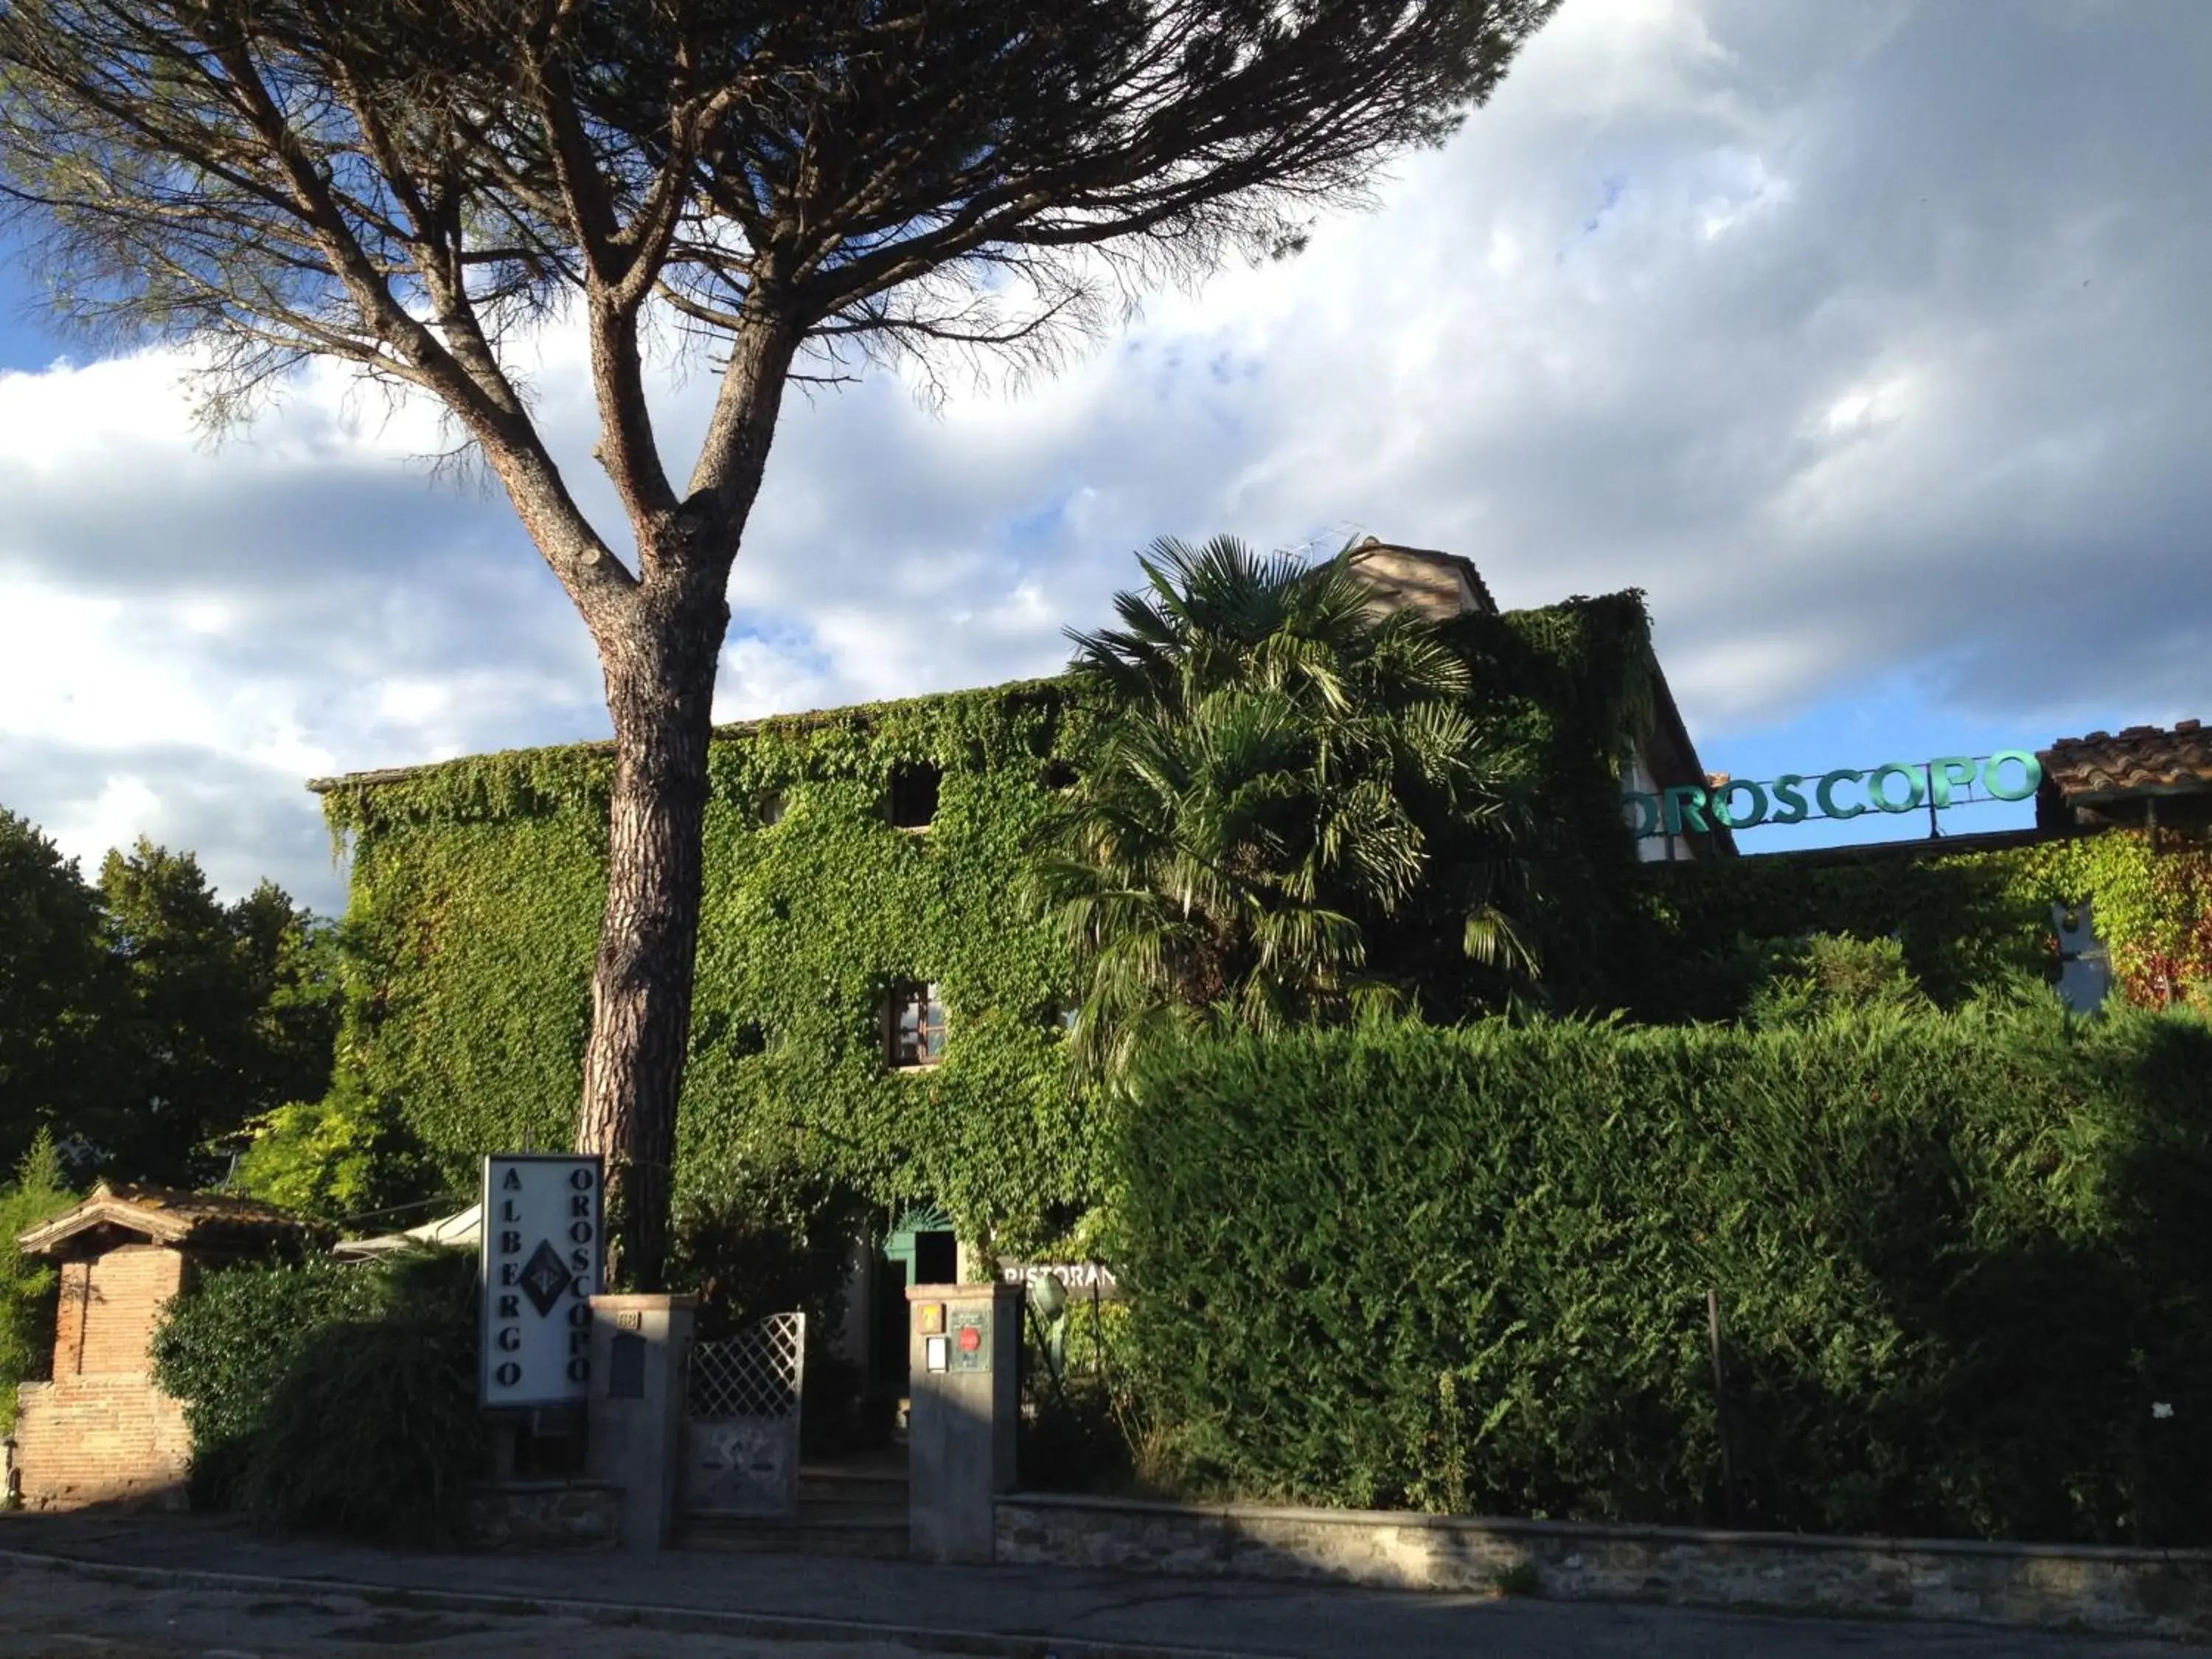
{"x": 1398, "y": 576}
{"x": 460, "y": 1232}
{"x": 2143, "y": 760}
{"x": 1401, "y": 574}
{"x": 798, "y": 721}
{"x": 167, "y": 1217}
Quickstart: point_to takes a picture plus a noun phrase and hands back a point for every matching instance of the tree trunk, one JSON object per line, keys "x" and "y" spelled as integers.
{"x": 659, "y": 664}
{"x": 658, "y": 647}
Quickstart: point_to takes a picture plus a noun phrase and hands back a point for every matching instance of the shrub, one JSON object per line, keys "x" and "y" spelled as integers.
{"x": 1958, "y": 1259}
{"x": 327, "y": 1396}
{"x": 227, "y": 1345}
{"x": 374, "y": 1432}
{"x": 27, "y": 1286}
{"x": 1822, "y": 974}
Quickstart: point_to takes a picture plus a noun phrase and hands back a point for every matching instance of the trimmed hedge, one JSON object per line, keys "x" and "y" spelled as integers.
{"x": 1963, "y": 1272}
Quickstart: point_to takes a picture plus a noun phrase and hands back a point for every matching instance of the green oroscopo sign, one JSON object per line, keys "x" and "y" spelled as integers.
{"x": 1892, "y": 786}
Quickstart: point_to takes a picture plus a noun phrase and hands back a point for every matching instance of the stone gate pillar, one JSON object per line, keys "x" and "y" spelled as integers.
{"x": 634, "y": 1435}
{"x": 965, "y": 1344}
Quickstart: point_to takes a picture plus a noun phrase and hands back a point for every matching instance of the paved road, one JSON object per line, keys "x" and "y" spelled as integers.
{"x": 605, "y": 1604}
{"x": 53, "y": 1615}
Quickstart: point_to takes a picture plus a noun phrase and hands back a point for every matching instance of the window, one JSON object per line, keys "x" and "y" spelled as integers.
{"x": 914, "y": 1026}
{"x": 772, "y": 807}
{"x": 914, "y": 796}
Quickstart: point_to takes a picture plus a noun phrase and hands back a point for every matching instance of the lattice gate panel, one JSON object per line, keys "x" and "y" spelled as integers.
{"x": 741, "y": 1430}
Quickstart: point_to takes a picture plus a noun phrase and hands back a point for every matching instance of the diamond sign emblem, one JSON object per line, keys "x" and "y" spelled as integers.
{"x": 544, "y": 1280}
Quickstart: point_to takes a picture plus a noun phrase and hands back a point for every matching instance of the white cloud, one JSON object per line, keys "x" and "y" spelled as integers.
{"x": 1869, "y": 340}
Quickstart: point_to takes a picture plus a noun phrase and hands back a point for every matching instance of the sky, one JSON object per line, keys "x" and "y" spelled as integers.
{"x": 1873, "y": 342}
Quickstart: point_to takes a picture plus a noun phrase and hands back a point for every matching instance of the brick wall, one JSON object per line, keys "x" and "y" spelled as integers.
{"x": 100, "y": 1430}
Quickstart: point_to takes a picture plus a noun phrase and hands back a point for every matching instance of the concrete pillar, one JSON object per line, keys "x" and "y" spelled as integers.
{"x": 634, "y": 1417}
{"x": 965, "y": 1344}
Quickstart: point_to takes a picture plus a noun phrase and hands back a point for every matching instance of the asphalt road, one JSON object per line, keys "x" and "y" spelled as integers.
{"x": 53, "y": 1615}
{"x": 125, "y": 1594}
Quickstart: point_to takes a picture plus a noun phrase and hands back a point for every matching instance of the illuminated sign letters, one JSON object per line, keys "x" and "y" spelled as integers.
{"x": 543, "y": 1254}
{"x": 1846, "y": 792}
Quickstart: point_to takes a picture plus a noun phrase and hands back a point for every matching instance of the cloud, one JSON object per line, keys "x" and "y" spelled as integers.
{"x": 1870, "y": 341}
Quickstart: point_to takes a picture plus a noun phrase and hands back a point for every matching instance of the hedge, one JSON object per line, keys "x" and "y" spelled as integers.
{"x": 1963, "y": 1277}
{"x": 329, "y": 1397}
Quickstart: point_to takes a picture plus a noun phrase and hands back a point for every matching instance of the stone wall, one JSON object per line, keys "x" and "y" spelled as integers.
{"x": 528, "y": 1515}
{"x": 2122, "y": 1591}
{"x": 101, "y": 1432}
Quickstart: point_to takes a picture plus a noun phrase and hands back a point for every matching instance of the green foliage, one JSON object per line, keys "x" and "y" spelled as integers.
{"x": 143, "y": 1018}
{"x": 340, "y": 1158}
{"x": 478, "y": 886}
{"x": 58, "y": 991}
{"x": 1966, "y": 923}
{"x": 226, "y": 1347}
{"x": 773, "y": 1247}
{"x": 231, "y": 1012}
{"x": 27, "y": 1285}
{"x": 1958, "y": 1258}
{"x": 332, "y": 1397}
{"x": 476, "y": 900}
{"x": 1808, "y": 979}
{"x": 375, "y": 1431}
{"x": 1281, "y": 768}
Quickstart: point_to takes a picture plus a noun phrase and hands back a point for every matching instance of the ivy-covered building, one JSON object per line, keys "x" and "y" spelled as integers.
{"x": 880, "y": 1018}
{"x": 879, "y": 1013}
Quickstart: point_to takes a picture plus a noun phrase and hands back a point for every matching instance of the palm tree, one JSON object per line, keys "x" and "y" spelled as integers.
{"x": 1281, "y": 763}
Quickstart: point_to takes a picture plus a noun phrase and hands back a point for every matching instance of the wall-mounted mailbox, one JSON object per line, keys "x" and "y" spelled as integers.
{"x": 626, "y": 1366}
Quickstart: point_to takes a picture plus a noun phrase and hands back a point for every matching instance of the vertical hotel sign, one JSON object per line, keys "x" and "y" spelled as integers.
{"x": 542, "y": 1252}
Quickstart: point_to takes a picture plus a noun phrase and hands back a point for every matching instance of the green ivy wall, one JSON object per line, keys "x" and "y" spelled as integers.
{"x": 1966, "y": 920}
{"x": 478, "y": 884}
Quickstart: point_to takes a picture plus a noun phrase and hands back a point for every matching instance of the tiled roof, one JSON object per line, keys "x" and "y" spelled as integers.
{"x": 168, "y": 1216}
{"x": 2143, "y": 760}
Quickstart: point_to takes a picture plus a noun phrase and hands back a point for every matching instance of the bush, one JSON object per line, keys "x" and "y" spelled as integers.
{"x": 331, "y": 1397}
{"x": 342, "y": 1157}
{"x": 1808, "y": 979}
{"x": 26, "y": 1285}
{"x": 375, "y": 1434}
{"x": 1959, "y": 1260}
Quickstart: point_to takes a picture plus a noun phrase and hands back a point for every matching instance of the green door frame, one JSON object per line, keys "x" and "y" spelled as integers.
{"x": 895, "y": 1270}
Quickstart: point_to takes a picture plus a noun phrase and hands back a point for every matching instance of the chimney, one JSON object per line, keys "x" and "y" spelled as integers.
{"x": 1437, "y": 585}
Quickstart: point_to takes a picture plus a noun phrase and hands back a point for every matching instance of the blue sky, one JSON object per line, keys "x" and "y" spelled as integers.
{"x": 1872, "y": 341}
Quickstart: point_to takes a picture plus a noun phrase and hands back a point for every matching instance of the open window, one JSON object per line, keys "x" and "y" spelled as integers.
{"x": 913, "y": 803}
{"x": 914, "y": 1025}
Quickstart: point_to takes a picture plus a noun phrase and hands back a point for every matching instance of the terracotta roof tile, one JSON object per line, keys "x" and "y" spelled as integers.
{"x": 169, "y": 1217}
{"x": 2140, "y": 760}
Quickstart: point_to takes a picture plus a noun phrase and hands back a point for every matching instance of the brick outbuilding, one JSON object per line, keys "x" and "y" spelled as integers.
{"x": 99, "y": 1430}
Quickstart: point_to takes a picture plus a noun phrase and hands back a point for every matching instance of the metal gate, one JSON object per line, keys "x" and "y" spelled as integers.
{"x": 741, "y": 1427}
